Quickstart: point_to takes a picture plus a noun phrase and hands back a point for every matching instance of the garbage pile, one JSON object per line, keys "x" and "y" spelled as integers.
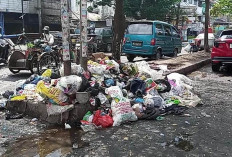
{"x": 118, "y": 92}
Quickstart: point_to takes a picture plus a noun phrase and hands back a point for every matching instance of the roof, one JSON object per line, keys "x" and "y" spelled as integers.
{"x": 144, "y": 21}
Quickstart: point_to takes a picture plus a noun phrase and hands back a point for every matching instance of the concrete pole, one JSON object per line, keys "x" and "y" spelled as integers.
{"x": 83, "y": 29}
{"x": 65, "y": 37}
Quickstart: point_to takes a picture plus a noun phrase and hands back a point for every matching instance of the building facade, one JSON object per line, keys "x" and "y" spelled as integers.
{"x": 11, "y": 16}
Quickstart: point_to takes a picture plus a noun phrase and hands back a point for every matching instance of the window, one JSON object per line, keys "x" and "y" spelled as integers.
{"x": 167, "y": 30}
{"x": 175, "y": 32}
{"x": 159, "y": 29}
{"x": 140, "y": 28}
{"x": 107, "y": 32}
{"x": 98, "y": 31}
{"x": 195, "y": 2}
{"x": 200, "y": 4}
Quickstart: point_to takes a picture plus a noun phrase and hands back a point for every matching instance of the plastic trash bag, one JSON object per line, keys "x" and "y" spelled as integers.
{"x": 187, "y": 48}
{"x": 102, "y": 119}
{"x": 138, "y": 87}
{"x": 130, "y": 69}
{"x": 30, "y": 91}
{"x": 69, "y": 84}
{"x": 95, "y": 68}
{"x": 75, "y": 69}
{"x": 53, "y": 93}
{"x": 122, "y": 111}
{"x": 181, "y": 88}
{"x": 113, "y": 64}
{"x": 19, "y": 98}
{"x": 144, "y": 69}
{"x": 114, "y": 91}
{"x": 47, "y": 73}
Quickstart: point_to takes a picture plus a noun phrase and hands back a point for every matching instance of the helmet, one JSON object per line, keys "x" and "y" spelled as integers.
{"x": 46, "y": 28}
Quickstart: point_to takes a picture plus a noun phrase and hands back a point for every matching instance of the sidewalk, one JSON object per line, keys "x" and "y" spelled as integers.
{"x": 179, "y": 64}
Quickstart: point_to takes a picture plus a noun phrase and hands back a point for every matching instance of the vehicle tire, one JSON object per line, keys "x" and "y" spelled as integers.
{"x": 109, "y": 48}
{"x": 215, "y": 67}
{"x": 175, "y": 52}
{"x": 34, "y": 65}
{"x": 130, "y": 58}
{"x": 158, "y": 55}
{"x": 14, "y": 71}
{"x": 46, "y": 62}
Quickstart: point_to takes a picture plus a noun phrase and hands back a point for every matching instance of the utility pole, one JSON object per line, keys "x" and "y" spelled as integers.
{"x": 65, "y": 36}
{"x": 83, "y": 29}
{"x": 206, "y": 41}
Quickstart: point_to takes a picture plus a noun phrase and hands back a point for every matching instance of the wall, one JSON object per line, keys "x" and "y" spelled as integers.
{"x": 15, "y": 6}
{"x": 51, "y": 13}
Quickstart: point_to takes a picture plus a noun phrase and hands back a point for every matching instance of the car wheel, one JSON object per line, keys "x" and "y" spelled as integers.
{"x": 158, "y": 55}
{"x": 215, "y": 67}
{"x": 109, "y": 48}
{"x": 175, "y": 52}
{"x": 14, "y": 71}
{"x": 130, "y": 58}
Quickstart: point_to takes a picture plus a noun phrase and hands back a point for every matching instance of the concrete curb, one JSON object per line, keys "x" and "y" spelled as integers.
{"x": 190, "y": 68}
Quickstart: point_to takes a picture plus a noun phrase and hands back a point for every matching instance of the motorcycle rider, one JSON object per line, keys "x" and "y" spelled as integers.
{"x": 48, "y": 39}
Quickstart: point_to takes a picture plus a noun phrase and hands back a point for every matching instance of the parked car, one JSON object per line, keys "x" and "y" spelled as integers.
{"x": 104, "y": 39}
{"x": 199, "y": 40}
{"x": 151, "y": 39}
{"x": 222, "y": 51}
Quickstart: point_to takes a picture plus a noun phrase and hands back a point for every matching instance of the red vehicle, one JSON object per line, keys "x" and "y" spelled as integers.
{"x": 222, "y": 51}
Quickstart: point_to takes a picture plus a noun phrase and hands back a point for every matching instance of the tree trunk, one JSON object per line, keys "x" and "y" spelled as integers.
{"x": 119, "y": 29}
{"x": 178, "y": 16}
{"x": 206, "y": 41}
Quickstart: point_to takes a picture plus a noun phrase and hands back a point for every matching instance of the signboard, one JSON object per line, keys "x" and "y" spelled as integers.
{"x": 109, "y": 22}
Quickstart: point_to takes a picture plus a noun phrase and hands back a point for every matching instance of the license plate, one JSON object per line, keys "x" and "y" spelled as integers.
{"x": 231, "y": 46}
{"x": 137, "y": 44}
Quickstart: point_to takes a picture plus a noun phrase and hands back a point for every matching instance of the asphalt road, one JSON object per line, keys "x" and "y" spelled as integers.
{"x": 207, "y": 132}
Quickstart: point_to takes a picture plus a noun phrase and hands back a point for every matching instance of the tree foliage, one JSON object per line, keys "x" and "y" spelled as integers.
{"x": 146, "y": 9}
{"x": 222, "y": 7}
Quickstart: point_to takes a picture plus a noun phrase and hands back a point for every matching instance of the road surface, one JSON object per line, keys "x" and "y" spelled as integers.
{"x": 206, "y": 131}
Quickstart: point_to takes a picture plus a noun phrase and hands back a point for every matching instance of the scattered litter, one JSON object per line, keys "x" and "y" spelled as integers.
{"x": 67, "y": 126}
{"x": 34, "y": 120}
{"x": 160, "y": 118}
{"x": 205, "y": 115}
{"x": 161, "y": 134}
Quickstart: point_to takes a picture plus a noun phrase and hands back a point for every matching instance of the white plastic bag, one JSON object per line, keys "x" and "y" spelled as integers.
{"x": 181, "y": 87}
{"x": 113, "y": 64}
{"x": 69, "y": 84}
{"x": 30, "y": 91}
{"x": 122, "y": 111}
{"x": 114, "y": 92}
{"x": 75, "y": 69}
{"x": 144, "y": 69}
{"x": 187, "y": 48}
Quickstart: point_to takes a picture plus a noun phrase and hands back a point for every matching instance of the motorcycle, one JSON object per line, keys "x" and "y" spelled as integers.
{"x": 50, "y": 58}
{"x": 22, "y": 57}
